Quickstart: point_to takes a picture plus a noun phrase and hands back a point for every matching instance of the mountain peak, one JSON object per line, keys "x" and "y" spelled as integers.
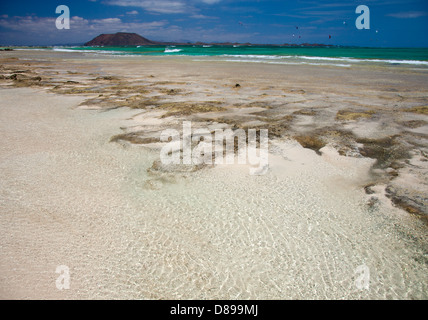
{"x": 120, "y": 39}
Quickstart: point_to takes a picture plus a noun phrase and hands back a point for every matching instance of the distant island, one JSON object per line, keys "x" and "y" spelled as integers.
{"x": 122, "y": 39}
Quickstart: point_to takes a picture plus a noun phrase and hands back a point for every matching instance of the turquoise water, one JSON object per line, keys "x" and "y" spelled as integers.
{"x": 339, "y": 56}
{"x": 350, "y": 52}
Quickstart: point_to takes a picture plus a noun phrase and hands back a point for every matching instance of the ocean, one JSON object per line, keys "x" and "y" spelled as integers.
{"x": 333, "y": 56}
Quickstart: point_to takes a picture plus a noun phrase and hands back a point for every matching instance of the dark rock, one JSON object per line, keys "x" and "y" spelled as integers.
{"x": 387, "y": 151}
{"x": 310, "y": 142}
{"x": 120, "y": 39}
{"x": 412, "y": 206}
{"x": 106, "y": 78}
{"x": 373, "y": 203}
{"x": 368, "y": 189}
{"x": 159, "y": 167}
{"x": 134, "y": 138}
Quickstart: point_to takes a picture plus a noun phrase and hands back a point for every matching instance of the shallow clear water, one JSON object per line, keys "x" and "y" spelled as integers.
{"x": 303, "y": 231}
{"x": 335, "y": 56}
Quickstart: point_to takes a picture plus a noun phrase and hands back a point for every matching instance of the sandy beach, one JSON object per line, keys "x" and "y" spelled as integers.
{"x": 82, "y": 185}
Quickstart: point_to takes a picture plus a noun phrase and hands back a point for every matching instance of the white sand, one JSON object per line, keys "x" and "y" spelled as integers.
{"x": 69, "y": 197}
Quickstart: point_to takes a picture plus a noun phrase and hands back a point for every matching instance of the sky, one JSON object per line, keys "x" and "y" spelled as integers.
{"x": 393, "y": 23}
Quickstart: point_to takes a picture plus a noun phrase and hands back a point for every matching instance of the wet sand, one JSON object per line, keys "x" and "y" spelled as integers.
{"x": 80, "y": 186}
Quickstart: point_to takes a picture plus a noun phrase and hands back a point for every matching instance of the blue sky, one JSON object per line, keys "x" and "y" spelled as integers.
{"x": 393, "y": 23}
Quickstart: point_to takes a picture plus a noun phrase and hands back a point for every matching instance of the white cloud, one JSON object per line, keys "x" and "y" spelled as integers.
{"x": 162, "y": 6}
{"x": 201, "y": 16}
{"x": 408, "y": 15}
{"x": 210, "y": 1}
{"x": 132, "y": 12}
{"x": 35, "y": 30}
{"x": 28, "y": 23}
{"x": 156, "y": 6}
{"x": 105, "y": 21}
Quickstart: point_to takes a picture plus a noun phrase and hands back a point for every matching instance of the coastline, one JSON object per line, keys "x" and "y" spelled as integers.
{"x": 129, "y": 229}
